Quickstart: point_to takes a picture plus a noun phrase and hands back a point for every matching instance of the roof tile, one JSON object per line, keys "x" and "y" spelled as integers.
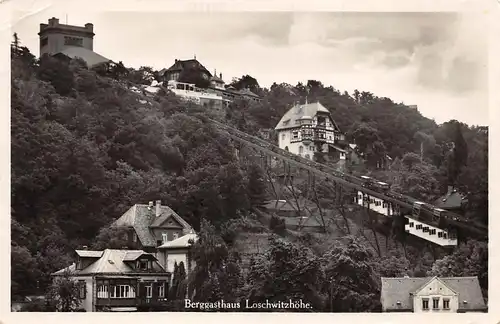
{"x": 141, "y": 219}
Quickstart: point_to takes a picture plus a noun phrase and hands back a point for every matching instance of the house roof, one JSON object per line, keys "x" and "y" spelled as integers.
{"x": 399, "y": 289}
{"x": 291, "y": 117}
{"x": 452, "y": 199}
{"x": 142, "y": 219}
{"x": 91, "y": 57}
{"x": 113, "y": 262}
{"x": 286, "y": 205}
{"x": 247, "y": 92}
{"x": 216, "y": 79}
{"x": 88, "y": 254}
{"x": 181, "y": 242}
{"x": 338, "y": 148}
{"x": 180, "y": 65}
{"x": 309, "y": 221}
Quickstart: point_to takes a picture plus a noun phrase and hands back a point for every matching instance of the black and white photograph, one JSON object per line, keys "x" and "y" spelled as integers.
{"x": 249, "y": 161}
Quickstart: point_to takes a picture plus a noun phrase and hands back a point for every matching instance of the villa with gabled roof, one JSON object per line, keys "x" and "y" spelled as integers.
{"x": 150, "y": 226}
{"x": 432, "y": 294}
{"x": 118, "y": 280}
{"x": 308, "y": 128}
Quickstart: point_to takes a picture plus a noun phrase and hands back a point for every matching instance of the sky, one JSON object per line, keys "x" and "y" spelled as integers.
{"x": 437, "y": 61}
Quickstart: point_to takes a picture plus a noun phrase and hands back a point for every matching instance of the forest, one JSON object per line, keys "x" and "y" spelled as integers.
{"x": 85, "y": 148}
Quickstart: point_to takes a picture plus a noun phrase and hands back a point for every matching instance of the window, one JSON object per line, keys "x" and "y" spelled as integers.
{"x": 134, "y": 237}
{"x": 435, "y": 303}
{"x": 164, "y": 237}
{"x": 176, "y": 235}
{"x": 44, "y": 41}
{"x": 432, "y": 232}
{"x": 102, "y": 291}
{"x": 440, "y": 234}
{"x": 73, "y": 41}
{"x": 283, "y": 136}
{"x": 295, "y": 135}
{"x": 122, "y": 291}
{"x": 419, "y": 226}
{"x": 143, "y": 265}
{"x": 149, "y": 291}
{"x": 82, "y": 289}
{"x": 425, "y": 304}
{"x": 301, "y": 149}
{"x": 161, "y": 290}
{"x": 411, "y": 224}
{"x": 446, "y": 304}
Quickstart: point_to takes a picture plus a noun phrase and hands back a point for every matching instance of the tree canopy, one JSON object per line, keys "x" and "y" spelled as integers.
{"x": 86, "y": 146}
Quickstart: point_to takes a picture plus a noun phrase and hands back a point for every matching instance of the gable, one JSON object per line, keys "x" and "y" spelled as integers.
{"x": 435, "y": 287}
{"x": 169, "y": 222}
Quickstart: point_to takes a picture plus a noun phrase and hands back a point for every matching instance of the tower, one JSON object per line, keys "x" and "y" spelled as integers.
{"x": 54, "y": 37}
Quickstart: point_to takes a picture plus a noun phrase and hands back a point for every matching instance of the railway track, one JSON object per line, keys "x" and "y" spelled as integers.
{"x": 346, "y": 180}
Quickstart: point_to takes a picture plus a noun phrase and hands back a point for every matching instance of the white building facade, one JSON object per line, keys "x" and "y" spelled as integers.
{"x": 430, "y": 233}
{"x": 432, "y": 295}
{"x": 376, "y": 204}
{"x": 306, "y": 129}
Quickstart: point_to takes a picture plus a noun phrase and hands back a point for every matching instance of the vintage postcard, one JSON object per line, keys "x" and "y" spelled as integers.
{"x": 197, "y": 158}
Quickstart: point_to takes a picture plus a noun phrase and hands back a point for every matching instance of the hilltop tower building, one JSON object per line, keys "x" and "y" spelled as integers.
{"x": 70, "y": 41}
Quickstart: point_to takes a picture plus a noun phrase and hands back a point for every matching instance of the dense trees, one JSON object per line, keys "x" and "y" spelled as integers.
{"x": 64, "y": 293}
{"x": 352, "y": 283}
{"x": 85, "y": 148}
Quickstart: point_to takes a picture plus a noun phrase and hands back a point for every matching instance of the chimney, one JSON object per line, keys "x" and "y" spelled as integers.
{"x": 221, "y": 76}
{"x": 84, "y": 247}
{"x": 89, "y": 26}
{"x": 150, "y": 206}
{"x": 158, "y": 208}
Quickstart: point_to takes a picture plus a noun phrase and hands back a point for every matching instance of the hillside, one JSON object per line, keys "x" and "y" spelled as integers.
{"x": 85, "y": 148}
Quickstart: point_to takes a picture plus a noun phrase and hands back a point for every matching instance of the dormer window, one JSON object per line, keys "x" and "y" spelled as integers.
{"x": 176, "y": 236}
{"x": 164, "y": 238}
{"x": 142, "y": 264}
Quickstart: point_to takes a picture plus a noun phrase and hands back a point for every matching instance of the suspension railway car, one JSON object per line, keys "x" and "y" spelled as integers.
{"x": 427, "y": 225}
